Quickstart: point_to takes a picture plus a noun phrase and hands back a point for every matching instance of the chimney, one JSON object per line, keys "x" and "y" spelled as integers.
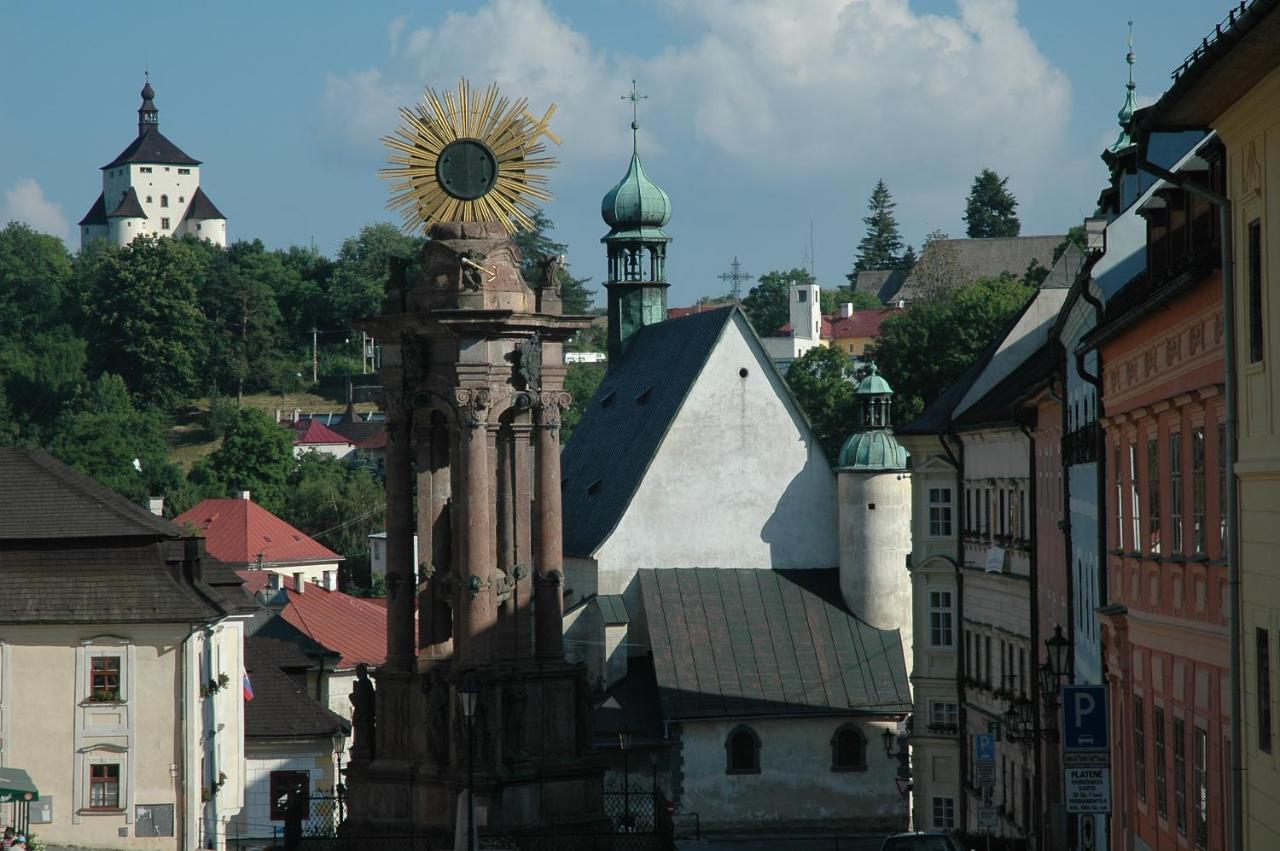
{"x": 245, "y": 495}
{"x": 328, "y": 583}
{"x": 1095, "y": 233}
{"x": 297, "y": 414}
{"x": 155, "y": 505}
{"x": 277, "y": 415}
{"x": 298, "y": 584}
{"x": 846, "y": 310}
{"x": 273, "y": 580}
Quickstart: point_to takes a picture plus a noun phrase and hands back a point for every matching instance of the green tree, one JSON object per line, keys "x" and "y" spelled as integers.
{"x": 909, "y": 259}
{"x": 301, "y": 293}
{"x": 822, "y": 381}
{"x": 340, "y": 505}
{"x": 1075, "y": 236}
{"x": 35, "y": 273}
{"x": 990, "y": 208}
{"x": 359, "y": 277}
{"x": 881, "y": 246}
{"x": 240, "y": 303}
{"x": 581, "y": 380}
{"x": 104, "y": 436}
{"x": 925, "y": 348}
{"x": 256, "y": 455}
{"x": 768, "y": 304}
{"x": 40, "y": 373}
{"x": 143, "y": 319}
{"x": 536, "y": 245}
{"x": 832, "y": 299}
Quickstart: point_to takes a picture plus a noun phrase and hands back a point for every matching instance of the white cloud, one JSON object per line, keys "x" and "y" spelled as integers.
{"x": 25, "y": 202}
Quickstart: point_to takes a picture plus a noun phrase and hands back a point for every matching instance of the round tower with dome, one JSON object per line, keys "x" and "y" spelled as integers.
{"x": 636, "y": 211}
{"x": 875, "y": 515}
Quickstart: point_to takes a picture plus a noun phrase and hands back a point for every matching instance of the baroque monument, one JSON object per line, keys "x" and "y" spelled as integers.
{"x": 476, "y": 692}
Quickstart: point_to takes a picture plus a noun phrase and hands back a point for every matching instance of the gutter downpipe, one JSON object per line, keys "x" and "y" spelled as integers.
{"x": 211, "y": 735}
{"x": 1034, "y": 571}
{"x": 1236, "y": 674}
{"x": 957, "y": 460}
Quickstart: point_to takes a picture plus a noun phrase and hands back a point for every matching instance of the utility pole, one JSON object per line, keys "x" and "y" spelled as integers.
{"x": 736, "y": 278}
{"x": 315, "y": 361}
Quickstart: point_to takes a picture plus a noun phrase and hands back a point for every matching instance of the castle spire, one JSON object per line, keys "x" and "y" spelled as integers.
{"x": 148, "y": 115}
{"x": 1125, "y": 115}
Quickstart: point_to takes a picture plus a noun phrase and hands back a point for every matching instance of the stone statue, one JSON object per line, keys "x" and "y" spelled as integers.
{"x": 363, "y": 716}
{"x": 549, "y": 273}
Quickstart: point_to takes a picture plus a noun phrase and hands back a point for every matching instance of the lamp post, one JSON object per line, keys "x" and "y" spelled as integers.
{"x": 339, "y": 790}
{"x": 624, "y": 742}
{"x": 468, "y": 691}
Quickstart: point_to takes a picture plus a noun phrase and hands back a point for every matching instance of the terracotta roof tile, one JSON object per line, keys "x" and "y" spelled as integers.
{"x": 238, "y": 531}
{"x": 312, "y": 431}
{"x": 353, "y": 627}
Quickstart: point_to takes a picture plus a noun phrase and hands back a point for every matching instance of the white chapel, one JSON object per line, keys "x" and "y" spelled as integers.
{"x": 152, "y": 188}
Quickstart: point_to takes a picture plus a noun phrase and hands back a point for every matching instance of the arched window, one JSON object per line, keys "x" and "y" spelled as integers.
{"x": 848, "y": 749}
{"x": 164, "y": 200}
{"x": 742, "y": 751}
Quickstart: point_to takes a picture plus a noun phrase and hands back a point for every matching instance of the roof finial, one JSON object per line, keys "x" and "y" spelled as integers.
{"x": 635, "y": 97}
{"x": 1129, "y": 56}
{"x": 1125, "y": 115}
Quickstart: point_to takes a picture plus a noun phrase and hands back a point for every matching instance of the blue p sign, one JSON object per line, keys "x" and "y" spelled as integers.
{"x": 1084, "y": 718}
{"x": 984, "y": 748}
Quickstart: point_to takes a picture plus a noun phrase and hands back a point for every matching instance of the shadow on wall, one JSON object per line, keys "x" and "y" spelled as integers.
{"x": 803, "y": 531}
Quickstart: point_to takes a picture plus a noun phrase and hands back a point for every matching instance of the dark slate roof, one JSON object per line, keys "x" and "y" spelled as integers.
{"x": 97, "y": 214}
{"x": 983, "y": 258}
{"x": 129, "y": 207}
{"x": 358, "y": 431}
{"x": 625, "y": 422}
{"x": 152, "y": 147}
{"x": 613, "y": 609}
{"x": 997, "y": 405}
{"x": 738, "y": 643}
{"x": 281, "y": 708}
{"x": 116, "y": 583}
{"x": 881, "y": 283}
{"x": 201, "y": 207}
{"x": 42, "y": 498}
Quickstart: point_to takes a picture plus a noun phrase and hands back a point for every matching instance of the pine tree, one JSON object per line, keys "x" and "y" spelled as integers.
{"x": 881, "y": 248}
{"x": 908, "y": 260}
{"x": 990, "y": 208}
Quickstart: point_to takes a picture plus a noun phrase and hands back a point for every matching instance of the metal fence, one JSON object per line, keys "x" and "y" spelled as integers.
{"x": 632, "y": 810}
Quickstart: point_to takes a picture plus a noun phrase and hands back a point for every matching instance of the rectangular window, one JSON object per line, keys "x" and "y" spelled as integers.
{"x": 943, "y": 713}
{"x": 1197, "y": 489}
{"x": 940, "y": 512}
{"x": 1153, "y": 495}
{"x": 104, "y": 786}
{"x": 146, "y": 169}
{"x": 987, "y": 644}
{"x": 968, "y": 655}
{"x": 164, "y": 223}
{"x": 1115, "y": 471}
{"x": 940, "y": 630}
{"x": 802, "y": 296}
{"x": 1222, "y": 490}
{"x": 1256, "y": 319}
{"x": 1022, "y": 670}
{"x": 1162, "y": 778}
{"x": 1180, "y": 775}
{"x": 1002, "y": 518}
{"x": 968, "y": 509}
{"x": 1135, "y": 504}
{"x": 1175, "y": 492}
{"x": 1263, "y": 639}
{"x": 184, "y": 171}
{"x": 1200, "y": 788}
{"x": 1140, "y": 748}
{"x": 280, "y": 784}
{"x": 944, "y": 813}
{"x": 104, "y": 678}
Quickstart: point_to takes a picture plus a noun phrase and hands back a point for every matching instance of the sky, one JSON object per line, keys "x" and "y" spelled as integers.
{"x": 768, "y": 122}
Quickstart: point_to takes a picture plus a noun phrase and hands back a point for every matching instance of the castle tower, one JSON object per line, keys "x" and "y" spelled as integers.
{"x": 473, "y": 384}
{"x": 635, "y": 210}
{"x": 875, "y": 516}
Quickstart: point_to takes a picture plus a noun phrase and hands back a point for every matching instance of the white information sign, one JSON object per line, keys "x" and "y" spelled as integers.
{"x": 1088, "y": 789}
{"x": 987, "y": 817}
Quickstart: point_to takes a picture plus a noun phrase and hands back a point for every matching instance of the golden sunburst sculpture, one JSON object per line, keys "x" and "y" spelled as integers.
{"x": 469, "y": 156}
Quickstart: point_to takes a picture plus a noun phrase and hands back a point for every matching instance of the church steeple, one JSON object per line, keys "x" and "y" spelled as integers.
{"x": 148, "y": 115}
{"x": 635, "y": 211}
{"x": 1125, "y": 115}
{"x": 873, "y": 447}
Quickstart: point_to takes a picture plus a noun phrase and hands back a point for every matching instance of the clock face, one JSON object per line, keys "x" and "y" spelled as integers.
{"x": 466, "y": 169}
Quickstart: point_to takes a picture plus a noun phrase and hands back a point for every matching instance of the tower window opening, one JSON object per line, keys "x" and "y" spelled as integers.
{"x": 164, "y": 200}
{"x": 801, "y": 296}
{"x": 184, "y": 171}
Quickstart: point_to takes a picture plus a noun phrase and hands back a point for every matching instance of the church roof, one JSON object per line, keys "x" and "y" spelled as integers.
{"x": 973, "y": 259}
{"x": 129, "y": 207}
{"x": 152, "y": 147}
{"x": 620, "y": 432}
{"x": 201, "y": 207}
{"x": 97, "y": 214}
{"x": 732, "y": 643}
{"x": 881, "y": 283}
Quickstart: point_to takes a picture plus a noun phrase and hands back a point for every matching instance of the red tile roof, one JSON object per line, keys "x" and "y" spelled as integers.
{"x": 312, "y": 431}
{"x": 677, "y": 312}
{"x": 862, "y": 323}
{"x": 238, "y": 531}
{"x": 352, "y": 627}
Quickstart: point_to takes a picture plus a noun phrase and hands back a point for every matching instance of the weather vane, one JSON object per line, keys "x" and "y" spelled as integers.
{"x": 469, "y": 156}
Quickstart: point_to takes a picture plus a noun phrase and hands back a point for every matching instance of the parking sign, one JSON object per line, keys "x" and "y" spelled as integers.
{"x": 984, "y": 748}
{"x": 1084, "y": 718}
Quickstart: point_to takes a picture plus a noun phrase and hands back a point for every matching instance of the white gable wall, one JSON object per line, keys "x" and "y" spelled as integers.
{"x": 738, "y": 482}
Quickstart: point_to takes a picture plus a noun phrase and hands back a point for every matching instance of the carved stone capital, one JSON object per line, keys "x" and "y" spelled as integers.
{"x": 473, "y": 404}
{"x": 553, "y": 403}
{"x": 553, "y": 578}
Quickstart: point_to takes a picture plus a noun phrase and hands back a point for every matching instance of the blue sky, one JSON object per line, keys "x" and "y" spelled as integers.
{"x": 763, "y": 116}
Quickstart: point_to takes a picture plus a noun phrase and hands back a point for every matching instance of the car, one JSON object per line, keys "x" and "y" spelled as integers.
{"x": 921, "y": 840}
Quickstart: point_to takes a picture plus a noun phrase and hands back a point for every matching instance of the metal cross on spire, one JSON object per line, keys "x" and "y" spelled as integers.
{"x": 1129, "y": 56}
{"x": 635, "y": 97}
{"x": 736, "y": 278}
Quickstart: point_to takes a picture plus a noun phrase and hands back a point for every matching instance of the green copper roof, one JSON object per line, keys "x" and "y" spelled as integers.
{"x": 873, "y": 383}
{"x": 636, "y": 203}
{"x": 872, "y": 450}
{"x": 1125, "y": 115}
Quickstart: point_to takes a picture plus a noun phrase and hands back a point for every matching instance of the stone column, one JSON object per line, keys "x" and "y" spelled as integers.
{"x": 549, "y": 567}
{"x": 439, "y": 618}
{"x": 425, "y": 567}
{"x": 474, "y": 614}
{"x": 524, "y": 539}
{"x": 401, "y": 642}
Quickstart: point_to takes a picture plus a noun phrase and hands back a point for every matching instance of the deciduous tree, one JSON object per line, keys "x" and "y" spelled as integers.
{"x": 767, "y": 304}
{"x": 256, "y": 455}
{"x": 822, "y": 381}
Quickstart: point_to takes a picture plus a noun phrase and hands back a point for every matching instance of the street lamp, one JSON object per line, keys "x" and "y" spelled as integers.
{"x": 889, "y": 738}
{"x": 1058, "y": 646}
{"x": 339, "y": 790}
{"x": 468, "y": 691}
{"x": 624, "y": 742}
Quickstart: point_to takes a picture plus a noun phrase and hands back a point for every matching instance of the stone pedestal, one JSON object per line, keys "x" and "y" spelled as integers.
{"x": 473, "y": 378}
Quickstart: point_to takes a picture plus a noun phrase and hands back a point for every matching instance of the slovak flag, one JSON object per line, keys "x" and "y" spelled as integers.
{"x": 248, "y": 686}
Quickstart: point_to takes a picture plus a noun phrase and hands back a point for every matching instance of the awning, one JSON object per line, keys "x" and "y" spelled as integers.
{"x": 16, "y": 785}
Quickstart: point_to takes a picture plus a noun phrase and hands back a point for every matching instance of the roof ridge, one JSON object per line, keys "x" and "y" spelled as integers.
{"x": 108, "y": 499}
